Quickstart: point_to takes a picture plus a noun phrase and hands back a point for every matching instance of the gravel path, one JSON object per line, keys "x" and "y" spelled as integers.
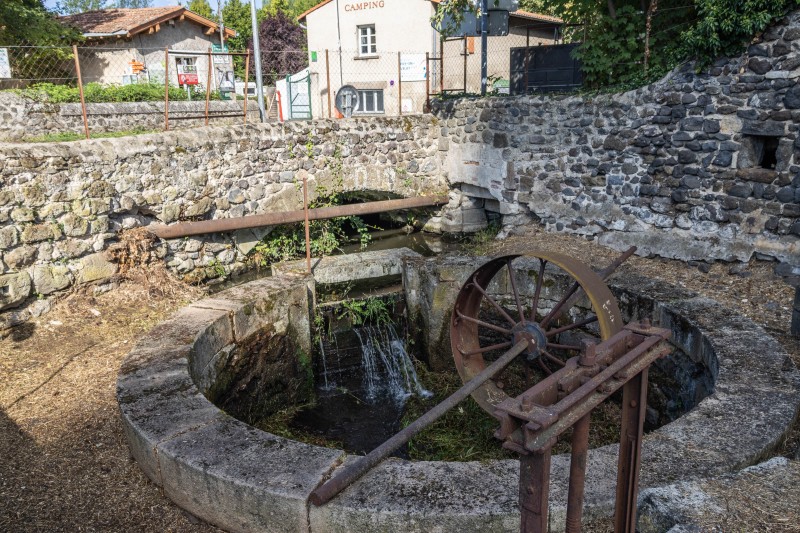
{"x": 65, "y": 464}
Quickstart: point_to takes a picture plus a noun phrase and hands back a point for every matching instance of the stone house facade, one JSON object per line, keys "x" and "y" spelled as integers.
{"x": 128, "y": 45}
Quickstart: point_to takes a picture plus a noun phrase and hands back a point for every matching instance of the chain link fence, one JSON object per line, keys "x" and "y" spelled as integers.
{"x": 298, "y": 84}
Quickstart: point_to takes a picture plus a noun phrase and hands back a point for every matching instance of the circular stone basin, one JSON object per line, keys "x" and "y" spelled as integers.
{"x": 243, "y": 479}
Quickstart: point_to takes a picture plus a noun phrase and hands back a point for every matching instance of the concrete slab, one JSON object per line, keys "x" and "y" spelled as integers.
{"x": 351, "y": 267}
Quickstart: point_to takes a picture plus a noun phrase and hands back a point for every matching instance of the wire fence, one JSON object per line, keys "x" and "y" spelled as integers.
{"x": 299, "y": 84}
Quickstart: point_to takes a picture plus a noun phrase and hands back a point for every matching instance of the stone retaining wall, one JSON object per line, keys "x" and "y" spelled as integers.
{"x": 22, "y": 118}
{"x": 61, "y": 204}
{"x": 674, "y": 168}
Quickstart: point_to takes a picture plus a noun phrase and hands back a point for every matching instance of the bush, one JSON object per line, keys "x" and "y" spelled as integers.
{"x": 95, "y": 92}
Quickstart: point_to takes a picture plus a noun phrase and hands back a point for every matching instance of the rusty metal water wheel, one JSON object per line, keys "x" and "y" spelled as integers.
{"x": 481, "y": 325}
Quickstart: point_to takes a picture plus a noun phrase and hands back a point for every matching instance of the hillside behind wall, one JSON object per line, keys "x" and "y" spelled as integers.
{"x": 673, "y": 168}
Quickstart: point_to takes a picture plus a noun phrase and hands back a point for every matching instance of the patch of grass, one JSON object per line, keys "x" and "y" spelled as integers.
{"x": 465, "y": 433}
{"x": 480, "y": 243}
{"x": 70, "y": 136}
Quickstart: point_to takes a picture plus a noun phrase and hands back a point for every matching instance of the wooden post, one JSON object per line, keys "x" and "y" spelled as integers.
{"x": 208, "y": 84}
{"x": 166, "y": 88}
{"x": 80, "y": 90}
{"x": 246, "y": 81}
{"x": 399, "y": 84}
{"x": 328, "y": 76}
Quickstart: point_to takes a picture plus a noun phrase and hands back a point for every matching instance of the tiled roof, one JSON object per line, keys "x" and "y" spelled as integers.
{"x": 516, "y": 14}
{"x": 134, "y": 20}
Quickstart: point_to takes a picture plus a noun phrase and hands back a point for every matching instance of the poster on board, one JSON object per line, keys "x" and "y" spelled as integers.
{"x": 413, "y": 67}
{"x": 5, "y": 64}
{"x": 187, "y": 75}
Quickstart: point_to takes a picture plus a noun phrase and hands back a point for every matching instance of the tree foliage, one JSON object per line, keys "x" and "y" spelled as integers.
{"x": 71, "y": 7}
{"x": 282, "y": 44}
{"x": 134, "y": 3}
{"x": 201, "y": 7}
{"x": 615, "y": 35}
{"x": 27, "y": 22}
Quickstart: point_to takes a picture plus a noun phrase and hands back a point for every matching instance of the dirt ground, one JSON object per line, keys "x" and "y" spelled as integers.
{"x": 64, "y": 462}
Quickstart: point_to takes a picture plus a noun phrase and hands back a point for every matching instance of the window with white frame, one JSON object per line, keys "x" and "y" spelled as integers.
{"x": 370, "y": 101}
{"x": 366, "y": 40}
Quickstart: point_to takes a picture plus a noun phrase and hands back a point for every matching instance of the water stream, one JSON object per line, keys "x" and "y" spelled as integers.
{"x": 365, "y": 376}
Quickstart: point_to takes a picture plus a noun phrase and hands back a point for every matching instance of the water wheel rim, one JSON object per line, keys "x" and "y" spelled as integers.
{"x": 464, "y": 338}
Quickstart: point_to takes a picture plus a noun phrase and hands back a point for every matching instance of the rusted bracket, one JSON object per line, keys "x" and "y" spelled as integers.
{"x": 531, "y": 423}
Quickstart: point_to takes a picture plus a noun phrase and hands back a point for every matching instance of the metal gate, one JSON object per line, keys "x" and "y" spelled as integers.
{"x": 545, "y": 69}
{"x": 299, "y": 88}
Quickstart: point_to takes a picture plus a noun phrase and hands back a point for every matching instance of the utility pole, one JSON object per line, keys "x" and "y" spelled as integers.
{"x": 484, "y": 45}
{"x": 220, "y": 5}
{"x": 257, "y": 53}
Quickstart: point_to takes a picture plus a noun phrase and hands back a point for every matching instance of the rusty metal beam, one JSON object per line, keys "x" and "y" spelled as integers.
{"x": 186, "y": 229}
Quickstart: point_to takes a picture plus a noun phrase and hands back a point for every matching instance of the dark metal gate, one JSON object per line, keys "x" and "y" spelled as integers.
{"x": 545, "y": 69}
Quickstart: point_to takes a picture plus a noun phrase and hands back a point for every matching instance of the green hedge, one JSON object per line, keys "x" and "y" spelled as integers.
{"x": 94, "y": 92}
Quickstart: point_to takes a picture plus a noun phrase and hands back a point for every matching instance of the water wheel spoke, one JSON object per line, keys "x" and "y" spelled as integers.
{"x": 494, "y": 304}
{"x": 574, "y": 325}
{"x": 544, "y": 367}
{"x": 485, "y": 349}
{"x": 553, "y": 358}
{"x": 484, "y": 324}
{"x": 514, "y": 290}
{"x": 563, "y": 346}
{"x": 537, "y": 292}
{"x": 557, "y": 310}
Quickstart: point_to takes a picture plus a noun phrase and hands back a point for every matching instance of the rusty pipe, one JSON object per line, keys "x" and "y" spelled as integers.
{"x": 349, "y": 474}
{"x": 186, "y": 229}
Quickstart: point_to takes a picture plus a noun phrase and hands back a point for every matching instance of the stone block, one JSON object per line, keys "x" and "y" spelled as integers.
{"x": 14, "y": 289}
{"x": 94, "y": 267}
{"x": 40, "y": 232}
{"x": 48, "y": 279}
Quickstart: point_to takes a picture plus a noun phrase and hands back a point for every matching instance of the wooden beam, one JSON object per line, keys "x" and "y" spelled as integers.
{"x": 210, "y": 31}
{"x": 158, "y": 27}
{"x": 182, "y": 17}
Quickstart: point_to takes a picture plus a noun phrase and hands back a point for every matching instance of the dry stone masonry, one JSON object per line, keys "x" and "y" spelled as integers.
{"x": 697, "y": 166}
{"x": 62, "y": 204}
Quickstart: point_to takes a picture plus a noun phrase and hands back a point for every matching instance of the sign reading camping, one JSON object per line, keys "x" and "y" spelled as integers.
{"x": 359, "y": 6}
{"x": 187, "y": 75}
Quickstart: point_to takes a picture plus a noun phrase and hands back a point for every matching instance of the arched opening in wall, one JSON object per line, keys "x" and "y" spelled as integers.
{"x": 765, "y": 151}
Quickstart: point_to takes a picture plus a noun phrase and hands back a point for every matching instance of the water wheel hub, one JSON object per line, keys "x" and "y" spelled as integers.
{"x": 534, "y": 334}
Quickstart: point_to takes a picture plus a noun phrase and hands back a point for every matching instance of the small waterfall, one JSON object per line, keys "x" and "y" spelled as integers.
{"x": 387, "y": 368}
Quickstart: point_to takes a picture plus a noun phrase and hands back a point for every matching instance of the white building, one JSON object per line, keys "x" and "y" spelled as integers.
{"x": 367, "y": 44}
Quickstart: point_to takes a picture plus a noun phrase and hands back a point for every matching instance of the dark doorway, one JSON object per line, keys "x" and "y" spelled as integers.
{"x": 545, "y": 69}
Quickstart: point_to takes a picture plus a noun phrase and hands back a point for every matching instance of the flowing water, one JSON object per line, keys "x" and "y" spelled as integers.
{"x": 365, "y": 376}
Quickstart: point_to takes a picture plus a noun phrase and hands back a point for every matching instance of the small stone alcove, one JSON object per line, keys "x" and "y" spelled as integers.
{"x": 762, "y": 148}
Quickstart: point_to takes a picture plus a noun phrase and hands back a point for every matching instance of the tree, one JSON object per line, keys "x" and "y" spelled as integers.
{"x": 282, "y": 44}
{"x": 201, "y": 7}
{"x": 70, "y": 7}
{"x": 134, "y": 3}
{"x": 27, "y": 22}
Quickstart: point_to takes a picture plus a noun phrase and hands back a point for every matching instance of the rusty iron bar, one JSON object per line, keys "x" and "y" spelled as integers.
{"x": 246, "y": 82}
{"x": 166, "y": 88}
{"x": 80, "y": 90}
{"x": 328, "y": 77}
{"x": 305, "y": 211}
{"x": 427, "y": 82}
{"x": 634, "y": 405}
{"x": 187, "y": 229}
{"x": 577, "y": 474}
{"x": 349, "y": 474}
{"x": 208, "y": 84}
{"x": 534, "y": 489}
{"x": 399, "y": 84}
